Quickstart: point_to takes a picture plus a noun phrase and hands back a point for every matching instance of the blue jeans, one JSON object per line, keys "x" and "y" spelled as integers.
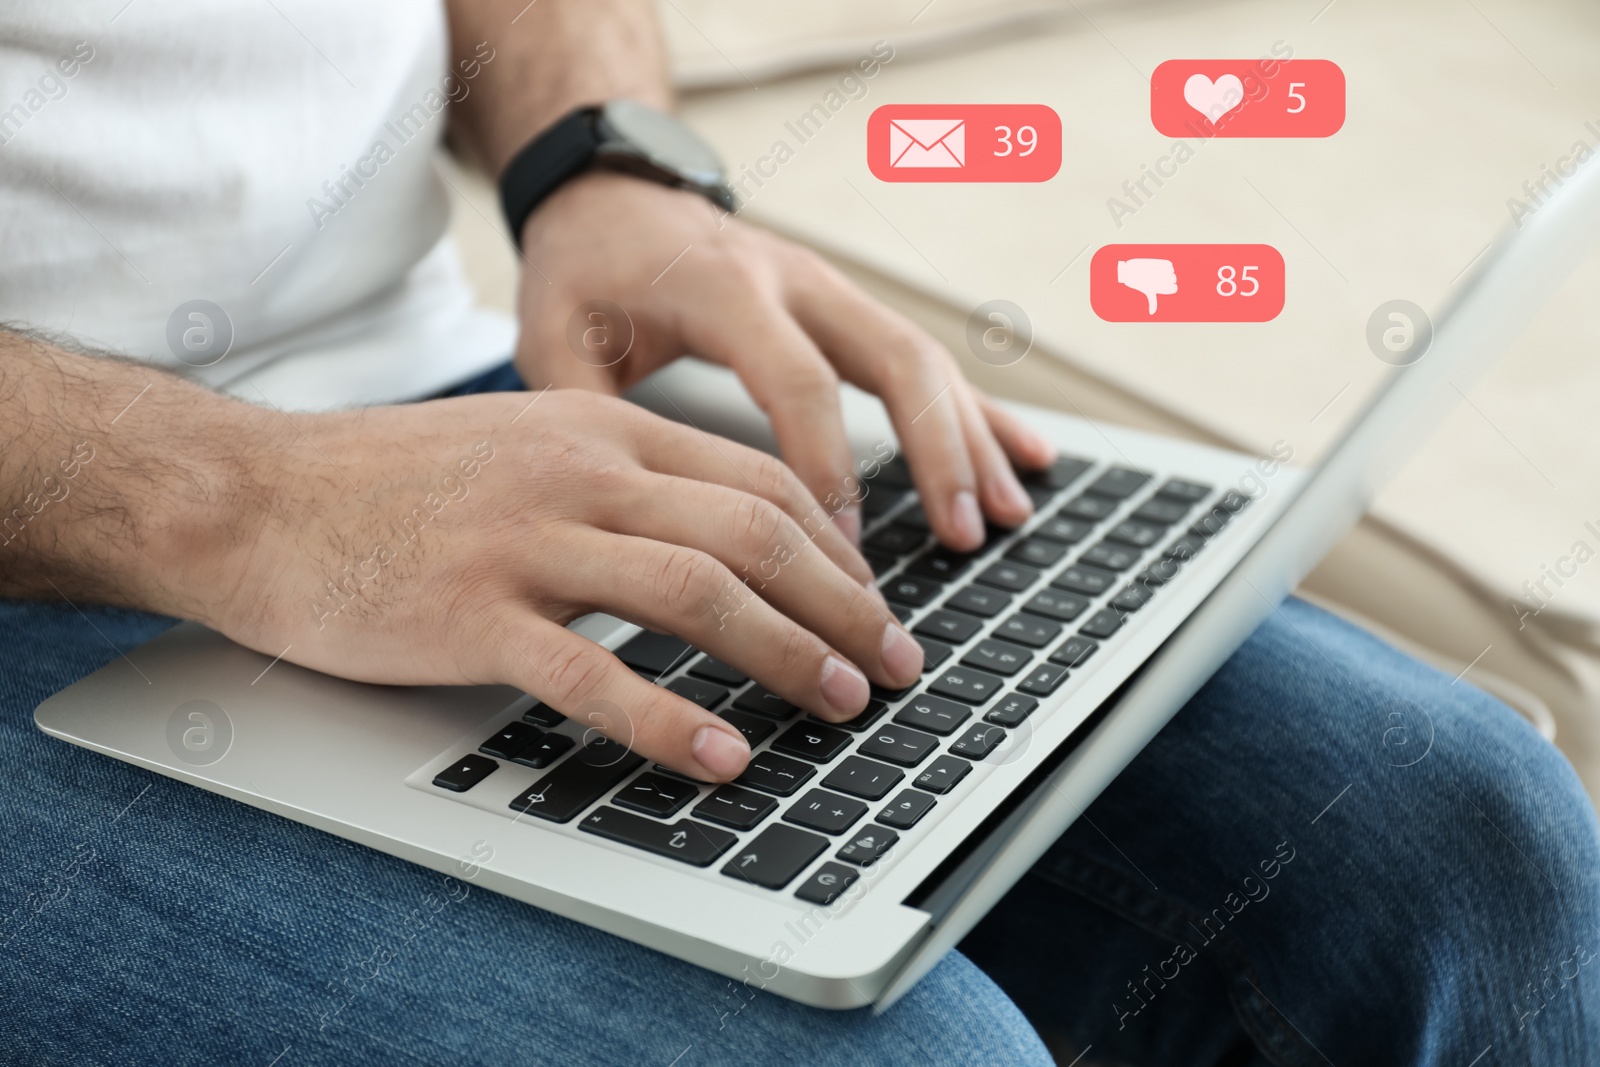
{"x": 1333, "y": 854}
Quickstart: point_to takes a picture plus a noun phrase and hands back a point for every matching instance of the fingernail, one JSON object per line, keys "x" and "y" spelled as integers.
{"x": 722, "y": 753}
{"x": 1015, "y": 496}
{"x": 849, "y": 522}
{"x": 843, "y": 687}
{"x": 967, "y": 518}
{"x": 902, "y": 656}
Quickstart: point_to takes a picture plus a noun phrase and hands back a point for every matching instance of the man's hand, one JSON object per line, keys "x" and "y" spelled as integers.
{"x": 450, "y": 542}
{"x": 692, "y": 279}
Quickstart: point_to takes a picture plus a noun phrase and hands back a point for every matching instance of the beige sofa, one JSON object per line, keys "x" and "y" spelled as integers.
{"x": 1450, "y": 111}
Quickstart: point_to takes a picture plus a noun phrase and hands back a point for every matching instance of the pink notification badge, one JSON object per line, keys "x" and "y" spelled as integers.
{"x": 964, "y": 143}
{"x": 1247, "y": 98}
{"x": 1186, "y": 283}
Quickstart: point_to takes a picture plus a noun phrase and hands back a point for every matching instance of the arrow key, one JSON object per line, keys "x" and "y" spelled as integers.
{"x": 776, "y": 855}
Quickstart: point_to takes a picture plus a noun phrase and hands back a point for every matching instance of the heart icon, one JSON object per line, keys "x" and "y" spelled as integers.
{"x": 1213, "y": 99}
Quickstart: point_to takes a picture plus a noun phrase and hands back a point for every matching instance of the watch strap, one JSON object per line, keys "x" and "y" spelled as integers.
{"x": 563, "y": 151}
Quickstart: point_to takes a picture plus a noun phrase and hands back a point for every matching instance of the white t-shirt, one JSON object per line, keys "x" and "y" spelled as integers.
{"x": 274, "y": 160}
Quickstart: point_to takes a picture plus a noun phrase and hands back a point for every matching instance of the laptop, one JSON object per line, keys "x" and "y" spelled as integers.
{"x": 849, "y": 858}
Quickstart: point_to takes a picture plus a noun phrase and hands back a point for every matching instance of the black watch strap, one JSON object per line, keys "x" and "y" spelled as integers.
{"x": 563, "y": 151}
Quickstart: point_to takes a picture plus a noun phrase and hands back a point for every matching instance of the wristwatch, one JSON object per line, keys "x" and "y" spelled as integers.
{"x": 620, "y": 135}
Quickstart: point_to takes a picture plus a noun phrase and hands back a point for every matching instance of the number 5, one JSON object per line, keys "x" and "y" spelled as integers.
{"x": 1297, "y": 96}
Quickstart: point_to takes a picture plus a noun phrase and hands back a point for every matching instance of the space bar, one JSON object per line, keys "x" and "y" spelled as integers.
{"x": 578, "y": 782}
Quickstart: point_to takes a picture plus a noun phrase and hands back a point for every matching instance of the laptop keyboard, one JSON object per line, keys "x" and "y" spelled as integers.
{"x": 1001, "y": 628}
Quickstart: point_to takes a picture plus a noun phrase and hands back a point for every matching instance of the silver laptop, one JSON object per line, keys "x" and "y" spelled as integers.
{"x": 848, "y": 858}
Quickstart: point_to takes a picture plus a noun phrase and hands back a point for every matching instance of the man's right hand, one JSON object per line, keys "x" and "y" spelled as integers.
{"x": 449, "y": 542}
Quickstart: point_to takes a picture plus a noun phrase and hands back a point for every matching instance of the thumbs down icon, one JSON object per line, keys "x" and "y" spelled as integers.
{"x": 1152, "y": 277}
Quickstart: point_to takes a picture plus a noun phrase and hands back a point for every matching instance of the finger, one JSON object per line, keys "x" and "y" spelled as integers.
{"x": 686, "y": 592}
{"x": 683, "y": 451}
{"x": 999, "y": 491}
{"x": 590, "y": 685}
{"x": 774, "y": 558}
{"x": 1027, "y": 448}
{"x": 882, "y": 352}
{"x": 794, "y": 384}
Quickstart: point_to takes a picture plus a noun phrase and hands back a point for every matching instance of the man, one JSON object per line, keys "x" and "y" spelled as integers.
{"x": 1204, "y": 911}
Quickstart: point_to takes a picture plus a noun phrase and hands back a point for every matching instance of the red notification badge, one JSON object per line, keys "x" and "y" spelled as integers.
{"x": 1247, "y": 98}
{"x": 1186, "y": 283}
{"x": 964, "y": 143}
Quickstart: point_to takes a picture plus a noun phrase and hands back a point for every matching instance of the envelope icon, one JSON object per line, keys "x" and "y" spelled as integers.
{"x": 927, "y": 143}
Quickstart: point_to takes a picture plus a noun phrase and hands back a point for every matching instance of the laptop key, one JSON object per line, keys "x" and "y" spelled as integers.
{"x": 543, "y": 715}
{"x": 933, "y": 714}
{"x": 1188, "y": 492}
{"x": 874, "y": 710}
{"x": 880, "y": 500}
{"x": 898, "y": 745}
{"x": 1060, "y": 474}
{"x": 776, "y": 855}
{"x": 465, "y": 773}
{"x": 869, "y": 845}
{"x": 1184, "y": 548}
{"x": 966, "y": 684}
{"x": 812, "y": 741}
{"x": 1001, "y": 657}
{"x": 976, "y": 600}
{"x": 1132, "y": 598}
{"x": 685, "y": 841}
{"x": 1029, "y": 630}
{"x": 578, "y": 782}
{"x": 1211, "y": 523}
{"x": 1233, "y": 502}
{"x": 1057, "y": 605}
{"x": 1162, "y": 510}
{"x": 1011, "y": 711}
{"x": 948, "y": 626}
{"x": 863, "y": 778}
{"x": 906, "y": 809}
{"x": 1090, "y": 581}
{"x": 695, "y": 691}
{"x": 942, "y": 774}
{"x": 825, "y": 811}
{"x": 1089, "y": 508}
{"x": 1036, "y": 552}
{"x": 772, "y": 773}
{"x": 654, "y": 794}
{"x": 1160, "y": 572}
{"x": 714, "y": 670}
{"x": 544, "y": 751}
{"x": 653, "y": 654}
{"x": 1103, "y": 623}
{"x": 1119, "y": 483}
{"x": 897, "y": 540}
{"x": 740, "y": 809}
{"x": 1066, "y": 530}
{"x": 933, "y": 652}
{"x": 1111, "y": 556}
{"x": 1043, "y": 679}
{"x": 1074, "y": 651}
{"x": 1137, "y": 534}
{"x": 879, "y": 563}
{"x": 508, "y": 742}
{"x": 828, "y": 884}
{"x": 910, "y": 590}
{"x": 1012, "y": 577}
{"x": 763, "y": 701}
{"x": 978, "y": 742}
{"x": 756, "y": 728}
{"x": 914, "y": 517}
{"x": 940, "y": 563}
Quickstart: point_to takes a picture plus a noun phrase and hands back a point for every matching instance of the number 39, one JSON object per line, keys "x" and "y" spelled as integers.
{"x": 1027, "y": 137}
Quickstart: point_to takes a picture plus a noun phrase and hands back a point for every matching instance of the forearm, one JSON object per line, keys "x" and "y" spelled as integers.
{"x": 119, "y": 483}
{"x": 557, "y": 55}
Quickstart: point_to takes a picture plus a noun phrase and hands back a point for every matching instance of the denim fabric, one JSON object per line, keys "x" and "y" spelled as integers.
{"x": 501, "y": 379}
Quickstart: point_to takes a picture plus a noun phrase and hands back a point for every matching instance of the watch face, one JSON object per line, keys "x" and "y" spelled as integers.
{"x": 664, "y": 141}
